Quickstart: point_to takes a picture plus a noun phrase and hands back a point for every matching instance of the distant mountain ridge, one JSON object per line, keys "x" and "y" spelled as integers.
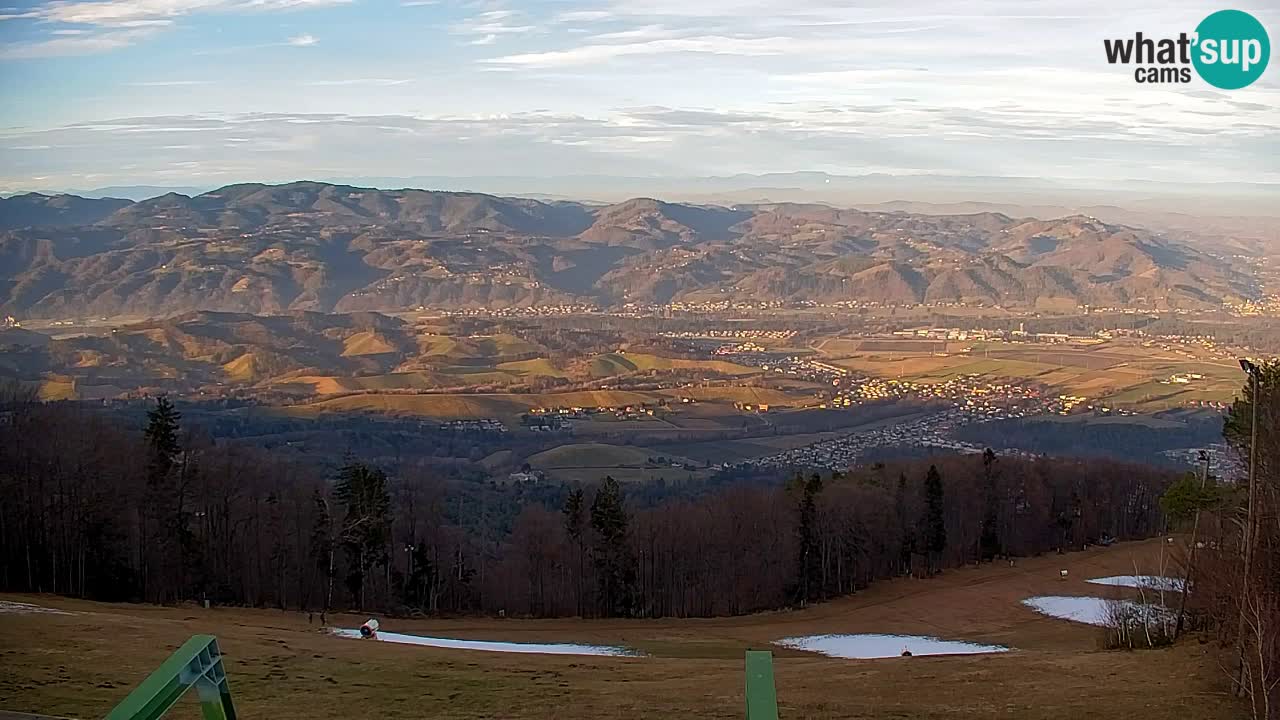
{"x": 40, "y": 210}
{"x": 321, "y": 247}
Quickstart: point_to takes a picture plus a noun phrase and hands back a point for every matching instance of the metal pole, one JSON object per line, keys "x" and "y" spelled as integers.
{"x": 198, "y": 664}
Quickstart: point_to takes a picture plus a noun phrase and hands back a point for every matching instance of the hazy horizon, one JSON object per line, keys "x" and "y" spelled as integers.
{"x": 1117, "y": 201}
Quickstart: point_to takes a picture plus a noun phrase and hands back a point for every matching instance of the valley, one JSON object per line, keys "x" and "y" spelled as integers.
{"x": 732, "y": 391}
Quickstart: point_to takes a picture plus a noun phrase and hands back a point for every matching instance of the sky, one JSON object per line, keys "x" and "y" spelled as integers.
{"x": 208, "y": 92}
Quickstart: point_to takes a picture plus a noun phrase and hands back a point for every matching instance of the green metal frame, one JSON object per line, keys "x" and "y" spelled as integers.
{"x": 762, "y": 698}
{"x": 197, "y": 663}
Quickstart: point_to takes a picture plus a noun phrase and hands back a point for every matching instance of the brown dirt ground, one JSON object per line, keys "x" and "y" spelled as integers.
{"x": 81, "y": 664}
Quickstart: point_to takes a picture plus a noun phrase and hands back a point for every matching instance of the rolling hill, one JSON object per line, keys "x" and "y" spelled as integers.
{"x": 306, "y": 353}
{"x": 39, "y": 210}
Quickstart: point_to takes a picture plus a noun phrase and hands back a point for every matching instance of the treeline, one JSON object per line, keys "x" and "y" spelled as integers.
{"x": 96, "y": 510}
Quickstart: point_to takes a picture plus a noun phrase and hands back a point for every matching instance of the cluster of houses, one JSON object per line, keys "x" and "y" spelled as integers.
{"x": 736, "y": 333}
{"x": 522, "y": 311}
{"x": 934, "y": 430}
{"x": 474, "y": 425}
{"x": 746, "y": 347}
{"x": 562, "y": 417}
{"x": 1268, "y": 305}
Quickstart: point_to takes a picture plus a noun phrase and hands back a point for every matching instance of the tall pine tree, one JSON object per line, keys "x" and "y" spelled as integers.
{"x": 809, "y": 560}
{"x": 615, "y": 566}
{"x": 366, "y": 529}
{"x": 935, "y": 524}
{"x": 989, "y": 540}
{"x": 161, "y": 524}
{"x": 575, "y": 525}
{"x": 162, "y": 439}
{"x": 907, "y": 526}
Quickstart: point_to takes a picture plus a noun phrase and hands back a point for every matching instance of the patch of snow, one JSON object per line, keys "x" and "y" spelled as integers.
{"x": 493, "y": 646}
{"x": 1151, "y": 582}
{"x": 8, "y": 606}
{"x": 872, "y": 645}
{"x": 1092, "y": 610}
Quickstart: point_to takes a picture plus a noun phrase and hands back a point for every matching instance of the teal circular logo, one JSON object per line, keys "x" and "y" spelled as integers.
{"x": 1232, "y": 49}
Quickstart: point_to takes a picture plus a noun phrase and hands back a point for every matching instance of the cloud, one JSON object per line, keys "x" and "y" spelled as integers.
{"x": 304, "y": 40}
{"x": 130, "y": 13}
{"x": 169, "y": 83}
{"x": 372, "y": 82}
{"x": 79, "y": 44}
{"x": 487, "y": 27}
{"x": 643, "y": 32}
{"x": 959, "y": 137}
{"x": 115, "y": 24}
{"x": 584, "y": 16}
{"x": 659, "y": 86}
{"x": 695, "y": 117}
{"x": 594, "y": 53}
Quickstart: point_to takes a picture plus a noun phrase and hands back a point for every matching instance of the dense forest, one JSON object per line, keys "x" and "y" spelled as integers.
{"x": 99, "y": 510}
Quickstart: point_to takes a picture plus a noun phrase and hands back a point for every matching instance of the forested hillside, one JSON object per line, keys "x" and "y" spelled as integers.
{"x": 334, "y": 248}
{"x": 101, "y": 511}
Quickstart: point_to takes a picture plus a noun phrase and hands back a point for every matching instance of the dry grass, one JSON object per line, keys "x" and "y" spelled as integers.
{"x": 366, "y": 343}
{"x": 57, "y": 387}
{"x": 242, "y": 369}
{"x": 280, "y": 667}
{"x": 536, "y": 366}
{"x": 614, "y": 364}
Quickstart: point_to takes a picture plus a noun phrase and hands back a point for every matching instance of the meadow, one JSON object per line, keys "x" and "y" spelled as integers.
{"x": 282, "y": 666}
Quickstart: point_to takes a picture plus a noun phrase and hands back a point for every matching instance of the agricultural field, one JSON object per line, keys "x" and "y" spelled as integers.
{"x": 489, "y": 346}
{"x": 741, "y": 394}
{"x": 588, "y": 462}
{"x": 83, "y": 659}
{"x": 537, "y": 367}
{"x": 472, "y": 405}
{"x": 441, "y": 374}
{"x": 613, "y": 364}
{"x": 1118, "y": 373}
{"x": 57, "y": 388}
{"x": 591, "y": 455}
